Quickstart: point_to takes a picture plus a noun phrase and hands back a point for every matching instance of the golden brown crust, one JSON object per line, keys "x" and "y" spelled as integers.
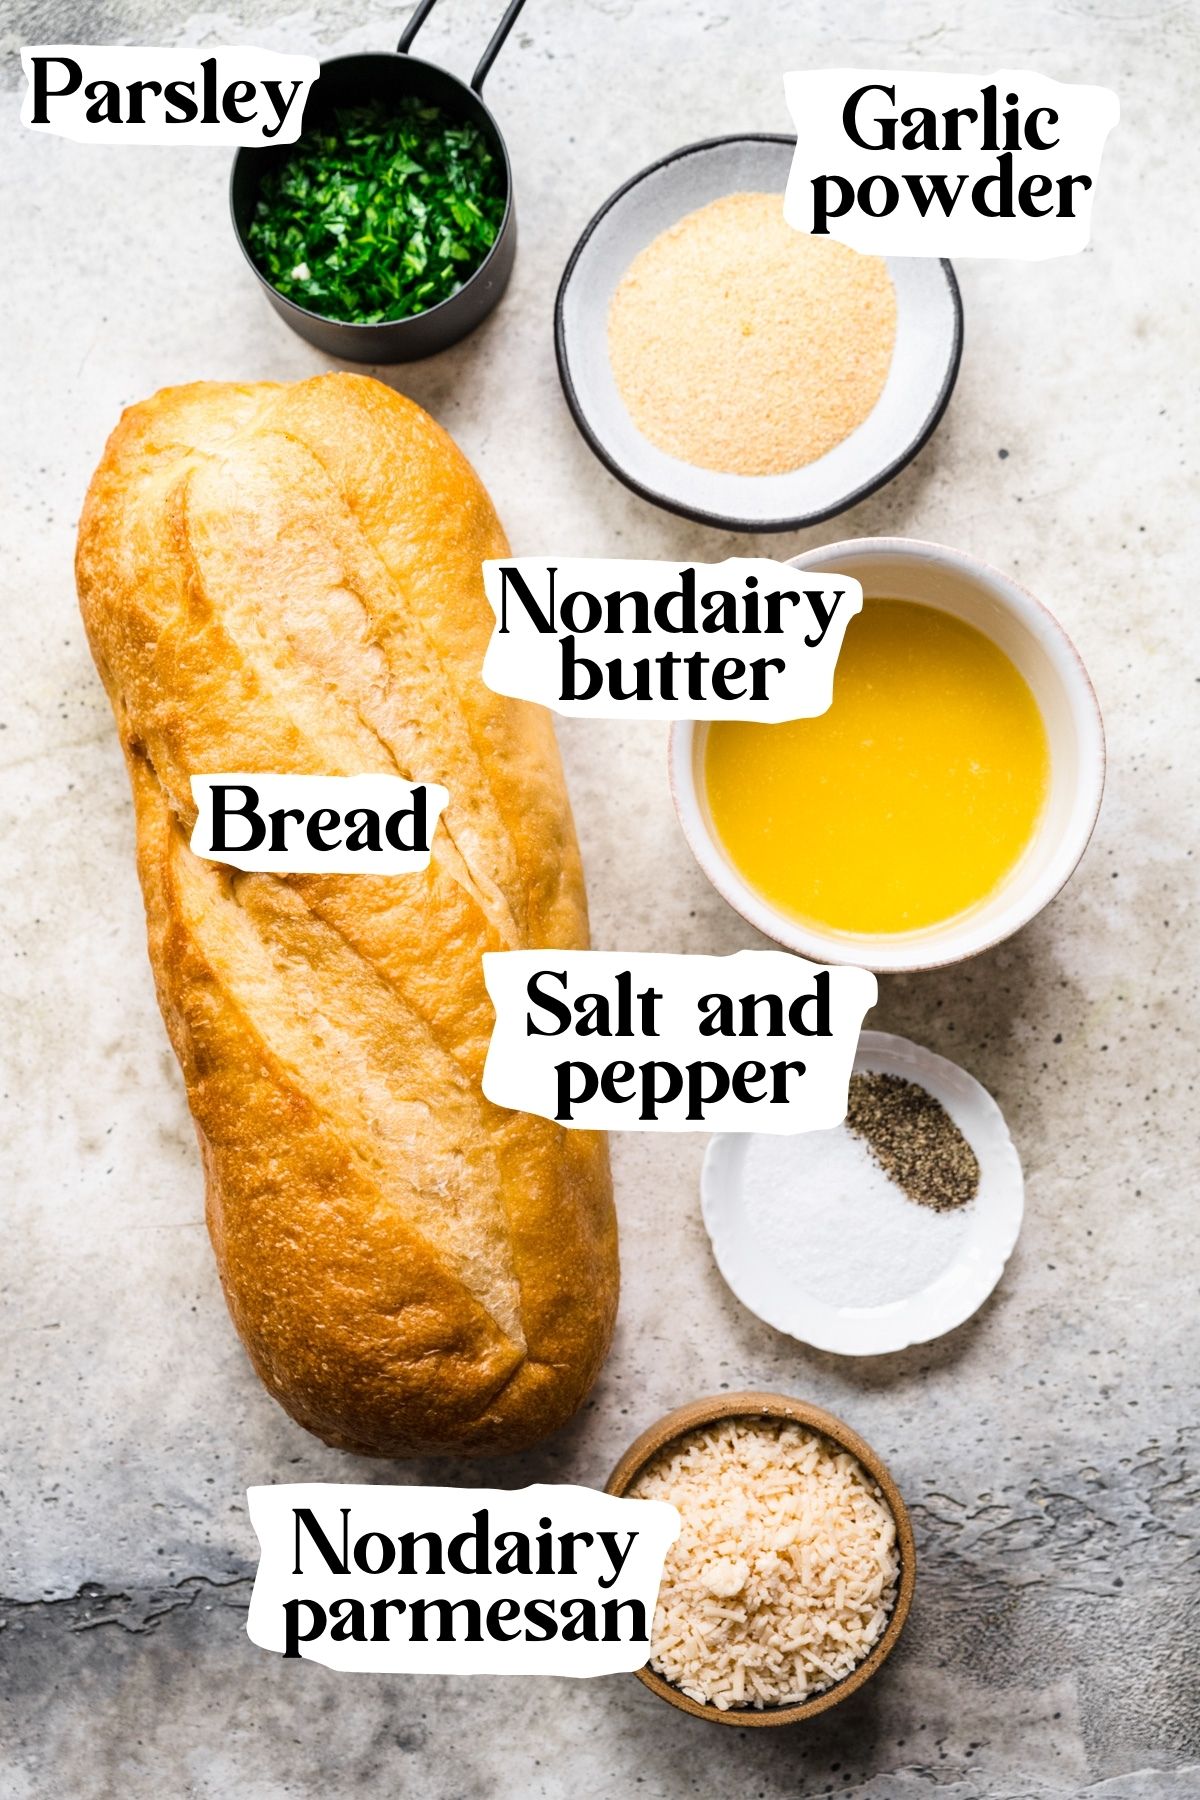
{"x": 287, "y": 579}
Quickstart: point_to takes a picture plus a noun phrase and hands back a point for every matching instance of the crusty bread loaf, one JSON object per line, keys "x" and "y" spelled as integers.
{"x": 287, "y": 579}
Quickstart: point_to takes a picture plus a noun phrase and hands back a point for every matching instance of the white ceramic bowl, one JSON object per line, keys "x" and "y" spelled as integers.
{"x": 929, "y": 335}
{"x": 904, "y": 569}
{"x": 983, "y": 1233}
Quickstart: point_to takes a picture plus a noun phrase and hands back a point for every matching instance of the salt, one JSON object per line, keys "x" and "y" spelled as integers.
{"x": 836, "y": 1226}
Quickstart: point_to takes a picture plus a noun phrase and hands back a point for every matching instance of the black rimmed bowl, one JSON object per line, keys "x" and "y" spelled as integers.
{"x": 392, "y": 76}
{"x": 929, "y": 335}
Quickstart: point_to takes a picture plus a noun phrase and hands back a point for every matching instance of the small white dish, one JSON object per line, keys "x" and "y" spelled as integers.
{"x": 925, "y": 361}
{"x": 984, "y": 1230}
{"x": 1032, "y": 638}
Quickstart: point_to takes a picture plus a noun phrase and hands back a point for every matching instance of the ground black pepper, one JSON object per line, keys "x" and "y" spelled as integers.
{"x": 914, "y": 1140}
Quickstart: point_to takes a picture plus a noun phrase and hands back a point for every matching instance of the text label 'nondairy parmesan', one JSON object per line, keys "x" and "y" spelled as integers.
{"x": 546, "y": 1580}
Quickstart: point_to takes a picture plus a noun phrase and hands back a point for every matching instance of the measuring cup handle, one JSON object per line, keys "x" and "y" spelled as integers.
{"x": 489, "y": 56}
{"x": 414, "y": 25}
{"x": 497, "y": 39}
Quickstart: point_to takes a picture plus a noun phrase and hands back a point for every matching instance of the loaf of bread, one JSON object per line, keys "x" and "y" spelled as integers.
{"x": 286, "y": 579}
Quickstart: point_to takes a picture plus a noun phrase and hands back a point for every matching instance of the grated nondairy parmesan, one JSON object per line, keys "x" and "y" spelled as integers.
{"x": 740, "y": 344}
{"x": 785, "y": 1572}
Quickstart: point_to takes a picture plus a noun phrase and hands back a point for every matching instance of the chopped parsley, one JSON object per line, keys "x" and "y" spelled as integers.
{"x": 380, "y": 213}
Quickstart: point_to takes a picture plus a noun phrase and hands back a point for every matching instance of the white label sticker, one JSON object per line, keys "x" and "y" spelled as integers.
{"x": 757, "y": 1041}
{"x": 123, "y": 94}
{"x": 908, "y": 163}
{"x": 548, "y": 1580}
{"x": 603, "y": 639}
{"x": 316, "y": 824}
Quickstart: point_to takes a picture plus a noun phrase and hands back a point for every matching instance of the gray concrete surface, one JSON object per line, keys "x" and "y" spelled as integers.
{"x": 1049, "y": 1448}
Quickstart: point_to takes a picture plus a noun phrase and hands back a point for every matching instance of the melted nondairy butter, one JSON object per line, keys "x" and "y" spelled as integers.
{"x": 909, "y": 801}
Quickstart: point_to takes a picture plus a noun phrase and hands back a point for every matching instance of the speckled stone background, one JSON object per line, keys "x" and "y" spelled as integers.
{"x": 1049, "y": 1448}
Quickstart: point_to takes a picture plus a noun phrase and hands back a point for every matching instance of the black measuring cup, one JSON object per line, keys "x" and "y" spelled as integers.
{"x": 390, "y": 76}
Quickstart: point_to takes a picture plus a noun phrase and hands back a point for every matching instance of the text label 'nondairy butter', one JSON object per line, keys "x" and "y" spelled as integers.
{"x": 122, "y": 94}
{"x": 907, "y": 163}
{"x": 316, "y": 824}
{"x": 757, "y": 1041}
{"x": 548, "y": 1580}
{"x": 601, "y": 638}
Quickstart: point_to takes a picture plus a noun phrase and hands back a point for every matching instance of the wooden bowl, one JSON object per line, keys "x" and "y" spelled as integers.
{"x": 778, "y": 1406}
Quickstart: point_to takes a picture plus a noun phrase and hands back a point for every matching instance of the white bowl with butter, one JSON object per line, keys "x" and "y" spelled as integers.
{"x": 950, "y": 581}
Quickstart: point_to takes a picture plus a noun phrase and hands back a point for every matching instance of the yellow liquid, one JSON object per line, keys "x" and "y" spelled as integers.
{"x": 907, "y": 802}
